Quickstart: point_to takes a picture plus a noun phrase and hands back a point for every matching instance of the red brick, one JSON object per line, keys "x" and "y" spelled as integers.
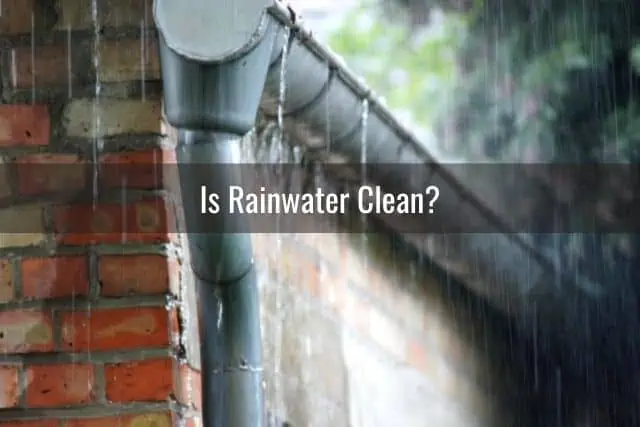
{"x": 59, "y": 385}
{"x": 124, "y": 384}
{"x": 136, "y": 222}
{"x": 27, "y": 125}
{"x": 55, "y": 277}
{"x": 115, "y": 329}
{"x": 306, "y": 273}
{"x": 139, "y": 169}
{"x": 44, "y": 173}
{"x": 39, "y": 423}
{"x": 10, "y": 392}
{"x": 25, "y": 332}
{"x": 122, "y": 275}
{"x": 6, "y": 281}
{"x": 159, "y": 419}
{"x": 46, "y": 66}
{"x": 189, "y": 386}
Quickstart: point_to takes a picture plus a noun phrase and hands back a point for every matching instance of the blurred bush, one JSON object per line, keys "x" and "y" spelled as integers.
{"x": 517, "y": 80}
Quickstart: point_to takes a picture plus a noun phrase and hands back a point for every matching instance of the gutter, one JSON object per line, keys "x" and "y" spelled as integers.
{"x": 323, "y": 107}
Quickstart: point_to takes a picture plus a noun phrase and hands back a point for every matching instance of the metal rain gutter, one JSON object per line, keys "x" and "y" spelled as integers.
{"x": 214, "y": 58}
{"x": 323, "y": 108}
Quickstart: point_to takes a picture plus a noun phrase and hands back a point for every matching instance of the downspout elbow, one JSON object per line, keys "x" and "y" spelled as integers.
{"x": 214, "y": 57}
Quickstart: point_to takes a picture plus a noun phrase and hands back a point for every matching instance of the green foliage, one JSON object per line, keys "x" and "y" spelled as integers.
{"x": 406, "y": 69}
{"x": 500, "y": 80}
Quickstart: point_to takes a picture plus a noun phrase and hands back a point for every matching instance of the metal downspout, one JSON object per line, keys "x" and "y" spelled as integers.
{"x": 214, "y": 57}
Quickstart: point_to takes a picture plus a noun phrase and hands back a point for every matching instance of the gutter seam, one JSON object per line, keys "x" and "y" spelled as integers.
{"x": 226, "y": 282}
{"x": 309, "y": 104}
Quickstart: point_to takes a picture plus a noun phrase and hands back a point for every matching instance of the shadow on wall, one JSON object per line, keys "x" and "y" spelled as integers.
{"x": 592, "y": 375}
{"x": 582, "y": 370}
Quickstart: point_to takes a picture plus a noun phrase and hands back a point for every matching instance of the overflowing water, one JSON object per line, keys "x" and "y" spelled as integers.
{"x": 364, "y": 124}
{"x": 98, "y": 141}
{"x": 279, "y": 147}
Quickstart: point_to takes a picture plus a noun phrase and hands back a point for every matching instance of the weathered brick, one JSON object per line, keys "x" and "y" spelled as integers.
{"x": 142, "y": 221}
{"x": 114, "y": 329}
{"x": 123, "y": 381}
{"x": 130, "y": 59}
{"x": 122, "y": 275}
{"x": 22, "y": 226}
{"x": 10, "y": 392}
{"x": 59, "y": 385}
{"x": 55, "y": 277}
{"x": 43, "y": 67}
{"x": 24, "y": 125}
{"x": 188, "y": 386}
{"x": 159, "y": 419}
{"x": 16, "y": 16}
{"x": 117, "y": 117}
{"x": 138, "y": 169}
{"x": 306, "y": 274}
{"x": 76, "y": 14}
{"x": 6, "y": 281}
{"x": 5, "y": 184}
{"x": 25, "y": 332}
{"x": 44, "y": 173}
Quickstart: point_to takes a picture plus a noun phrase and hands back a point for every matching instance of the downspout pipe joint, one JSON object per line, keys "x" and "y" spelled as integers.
{"x": 215, "y": 56}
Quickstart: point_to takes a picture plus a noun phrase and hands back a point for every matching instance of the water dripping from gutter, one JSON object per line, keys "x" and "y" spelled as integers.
{"x": 98, "y": 142}
{"x": 364, "y": 122}
{"x": 277, "y": 150}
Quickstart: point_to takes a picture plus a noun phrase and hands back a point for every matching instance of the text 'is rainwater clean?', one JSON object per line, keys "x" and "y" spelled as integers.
{"x": 369, "y": 200}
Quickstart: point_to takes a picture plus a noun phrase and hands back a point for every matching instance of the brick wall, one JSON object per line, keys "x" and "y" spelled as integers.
{"x": 92, "y": 331}
{"x": 370, "y": 334}
{"x": 95, "y": 302}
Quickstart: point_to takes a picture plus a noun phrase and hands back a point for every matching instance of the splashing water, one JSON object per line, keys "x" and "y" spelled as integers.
{"x": 327, "y": 118}
{"x": 283, "y": 76}
{"x": 185, "y": 318}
